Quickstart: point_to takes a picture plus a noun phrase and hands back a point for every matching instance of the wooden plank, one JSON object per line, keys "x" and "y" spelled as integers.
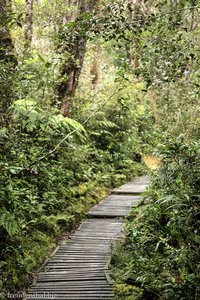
{"x": 69, "y": 284}
{"x": 134, "y": 189}
{"x": 79, "y": 296}
{"x": 77, "y": 260}
{"x": 107, "y": 290}
{"x": 76, "y": 266}
{"x": 55, "y": 279}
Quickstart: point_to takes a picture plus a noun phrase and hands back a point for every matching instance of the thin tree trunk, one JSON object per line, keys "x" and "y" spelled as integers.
{"x": 94, "y": 67}
{"x": 28, "y": 24}
{"x": 137, "y": 15}
{"x": 7, "y": 58}
{"x": 140, "y": 7}
{"x": 6, "y": 45}
{"x": 71, "y": 68}
{"x": 72, "y": 12}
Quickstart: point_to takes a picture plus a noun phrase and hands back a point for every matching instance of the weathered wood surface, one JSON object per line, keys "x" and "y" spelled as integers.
{"x": 79, "y": 268}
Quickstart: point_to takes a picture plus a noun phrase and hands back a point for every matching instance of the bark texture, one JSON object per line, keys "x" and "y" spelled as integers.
{"x": 7, "y": 58}
{"x": 137, "y": 16}
{"x": 75, "y": 48}
{"x": 140, "y": 9}
{"x": 94, "y": 68}
{"x": 28, "y": 24}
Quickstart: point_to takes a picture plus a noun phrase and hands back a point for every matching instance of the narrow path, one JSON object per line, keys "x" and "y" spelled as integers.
{"x": 79, "y": 268}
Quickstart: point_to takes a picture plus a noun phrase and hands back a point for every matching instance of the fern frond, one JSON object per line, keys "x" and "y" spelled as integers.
{"x": 8, "y": 222}
{"x": 107, "y": 124}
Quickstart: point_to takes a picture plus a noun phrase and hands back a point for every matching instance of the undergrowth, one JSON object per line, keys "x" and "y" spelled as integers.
{"x": 159, "y": 258}
{"x": 42, "y": 199}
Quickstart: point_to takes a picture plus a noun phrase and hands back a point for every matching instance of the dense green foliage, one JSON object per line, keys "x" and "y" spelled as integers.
{"x": 160, "y": 257}
{"x": 42, "y": 199}
{"x": 52, "y": 167}
{"x": 138, "y": 63}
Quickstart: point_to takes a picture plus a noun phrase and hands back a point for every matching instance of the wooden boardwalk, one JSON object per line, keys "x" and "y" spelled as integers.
{"x": 78, "y": 269}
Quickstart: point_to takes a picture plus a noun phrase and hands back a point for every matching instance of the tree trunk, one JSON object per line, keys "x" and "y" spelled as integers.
{"x": 7, "y": 59}
{"x": 140, "y": 7}
{"x": 137, "y": 16}
{"x": 94, "y": 67}
{"x": 71, "y": 67}
{"x": 72, "y": 12}
{"x": 28, "y": 24}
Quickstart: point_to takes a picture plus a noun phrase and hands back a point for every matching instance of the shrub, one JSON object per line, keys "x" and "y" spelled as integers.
{"x": 160, "y": 255}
